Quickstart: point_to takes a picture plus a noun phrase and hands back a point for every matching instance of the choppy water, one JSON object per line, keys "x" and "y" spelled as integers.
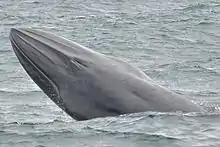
{"x": 176, "y": 42}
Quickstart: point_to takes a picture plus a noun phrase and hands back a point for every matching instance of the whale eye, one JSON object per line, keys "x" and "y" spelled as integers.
{"x": 78, "y": 64}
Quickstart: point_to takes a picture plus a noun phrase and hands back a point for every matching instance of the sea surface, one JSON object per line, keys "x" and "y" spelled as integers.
{"x": 175, "y": 42}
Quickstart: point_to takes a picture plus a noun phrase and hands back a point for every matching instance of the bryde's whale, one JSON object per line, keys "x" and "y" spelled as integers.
{"x": 87, "y": 84}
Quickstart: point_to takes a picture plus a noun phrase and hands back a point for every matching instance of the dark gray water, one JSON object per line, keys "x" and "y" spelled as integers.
{"x": 175, "y": 42}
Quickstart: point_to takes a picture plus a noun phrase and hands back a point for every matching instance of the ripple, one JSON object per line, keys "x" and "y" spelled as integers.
{"x": 5, "y": 51}
{"x": 36, "y": 123}
{"x": 205, "y": 23}
{"x": 202, "y": 93}
{"x": 23, "y": 92}
{"x": 196, "y": 6}
{"x": 191, "y": 66}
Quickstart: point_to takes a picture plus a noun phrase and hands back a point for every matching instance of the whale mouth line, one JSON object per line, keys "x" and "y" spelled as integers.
{"x": 18, "y": 50}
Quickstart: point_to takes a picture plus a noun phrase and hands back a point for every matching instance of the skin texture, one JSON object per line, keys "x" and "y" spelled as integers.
{"x": 87, "y": 84}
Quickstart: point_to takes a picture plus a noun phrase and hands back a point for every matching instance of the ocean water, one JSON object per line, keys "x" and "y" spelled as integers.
{"x": 175, "y": 42}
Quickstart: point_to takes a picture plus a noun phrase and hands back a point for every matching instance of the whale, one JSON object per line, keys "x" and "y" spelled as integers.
{"x": 87, "y": 84}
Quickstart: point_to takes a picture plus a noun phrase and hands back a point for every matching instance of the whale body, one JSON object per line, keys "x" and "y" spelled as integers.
{"x": 87, "y": 84}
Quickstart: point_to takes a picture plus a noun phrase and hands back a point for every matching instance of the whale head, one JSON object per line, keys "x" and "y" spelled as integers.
{"x": 55, "y": 64}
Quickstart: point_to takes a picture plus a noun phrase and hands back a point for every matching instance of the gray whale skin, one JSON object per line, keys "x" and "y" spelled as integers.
{"x": 86, "y": 84}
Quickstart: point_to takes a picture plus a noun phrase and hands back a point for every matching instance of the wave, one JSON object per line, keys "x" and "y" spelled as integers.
{"x": 147, "y": 136}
